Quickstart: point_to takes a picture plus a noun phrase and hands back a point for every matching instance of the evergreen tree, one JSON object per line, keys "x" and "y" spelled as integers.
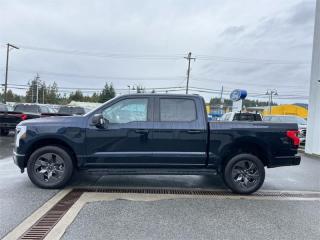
{"x": 76, "y": 96}
{"x": 53, "y": 95}
{"x": 31, "y": 92}
{"x": 107, "y": 93}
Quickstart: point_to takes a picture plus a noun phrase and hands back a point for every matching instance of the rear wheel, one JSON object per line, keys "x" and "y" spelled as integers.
{"x": 4, "y": 132}
{"x": 50, "y": 167}
{"x": 244, "y": 173}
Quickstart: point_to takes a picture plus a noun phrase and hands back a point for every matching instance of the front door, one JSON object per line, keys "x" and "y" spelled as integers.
{"x": 125, "y": 139}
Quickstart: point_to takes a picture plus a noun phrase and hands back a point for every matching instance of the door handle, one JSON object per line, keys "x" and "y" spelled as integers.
{"x": 142, "y": 131}
{"x": 194, "y": 131}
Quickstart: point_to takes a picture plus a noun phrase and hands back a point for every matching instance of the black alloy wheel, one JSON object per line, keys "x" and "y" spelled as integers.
{"x": 50, "y": 167}
{"x": 244, "y": 173}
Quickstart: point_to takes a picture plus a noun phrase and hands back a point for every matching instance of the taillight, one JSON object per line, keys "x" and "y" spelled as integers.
{"x": 23, "y": 117}
{"x": 293, "y": 135}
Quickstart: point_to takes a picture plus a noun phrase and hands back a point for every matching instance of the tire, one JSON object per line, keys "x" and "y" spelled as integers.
{"x": 4, "y": 132}
{"x": 244, "y": 174}
{"x": 50, "y": 167}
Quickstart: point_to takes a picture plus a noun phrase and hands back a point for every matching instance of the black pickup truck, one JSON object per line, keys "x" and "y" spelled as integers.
{"x": 23, "y": 111}
{"x": 10, "y": 119}
{"x": 153, "y": 134}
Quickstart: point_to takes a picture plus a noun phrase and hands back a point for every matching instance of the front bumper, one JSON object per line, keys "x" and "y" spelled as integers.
{"x": 285, "y": 161}
{"x": 19, "y": 160}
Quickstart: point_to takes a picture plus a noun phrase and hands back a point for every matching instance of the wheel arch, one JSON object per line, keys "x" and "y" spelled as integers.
{"x": 248, "y": 145}
{"x": 52, "y": 142}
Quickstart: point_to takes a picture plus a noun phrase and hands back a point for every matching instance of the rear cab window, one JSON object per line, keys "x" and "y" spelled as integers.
{"x": 247, "y": 117}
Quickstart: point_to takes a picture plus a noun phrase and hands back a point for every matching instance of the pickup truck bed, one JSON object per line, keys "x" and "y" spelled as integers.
{"x": 9, "y": 120}
{"x": 153, "y": 134}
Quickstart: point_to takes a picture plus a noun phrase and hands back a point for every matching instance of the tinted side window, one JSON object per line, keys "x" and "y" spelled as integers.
{"x": 127, "y": 110}
{"x": 177, "y": 110}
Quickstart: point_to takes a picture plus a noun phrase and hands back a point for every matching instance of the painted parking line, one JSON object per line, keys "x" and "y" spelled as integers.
{"x": 88, "y": 195}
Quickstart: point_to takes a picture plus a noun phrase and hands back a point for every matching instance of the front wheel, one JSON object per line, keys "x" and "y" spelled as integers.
{"x": 50, "y": 167}
{"x": 244, "y": 174}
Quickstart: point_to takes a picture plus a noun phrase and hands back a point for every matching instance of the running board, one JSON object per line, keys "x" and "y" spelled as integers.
{"x": 151, "y": 171}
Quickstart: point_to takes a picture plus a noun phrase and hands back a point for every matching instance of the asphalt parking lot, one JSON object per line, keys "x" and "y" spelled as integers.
{"x": 130, "y": 217}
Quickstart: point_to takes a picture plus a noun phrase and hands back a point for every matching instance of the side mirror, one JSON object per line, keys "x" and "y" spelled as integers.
{"x": 98, "y": 121}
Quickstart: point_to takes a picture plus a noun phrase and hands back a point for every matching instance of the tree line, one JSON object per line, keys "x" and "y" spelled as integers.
{"x": 50, "y": 94}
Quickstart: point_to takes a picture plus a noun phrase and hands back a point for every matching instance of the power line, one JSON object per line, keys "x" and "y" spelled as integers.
{"x": 102, "y": 54}
{"x": 176, "y": 88}
{"x": 166, "y": 78}
{"x": 26, "y": 86}
{"x": 249, "y": 60}
{"x": 172, "y": 89}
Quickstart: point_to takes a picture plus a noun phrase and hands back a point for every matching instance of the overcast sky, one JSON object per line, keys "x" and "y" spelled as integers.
{"x": 248, "y": 44}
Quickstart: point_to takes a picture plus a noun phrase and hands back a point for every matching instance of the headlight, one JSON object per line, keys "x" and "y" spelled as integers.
{"x": 21, "y": 133}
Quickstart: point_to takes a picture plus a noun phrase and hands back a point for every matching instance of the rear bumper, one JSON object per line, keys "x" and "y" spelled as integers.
{"x": 19, "y": 160}
{"x": 285, "y": 161}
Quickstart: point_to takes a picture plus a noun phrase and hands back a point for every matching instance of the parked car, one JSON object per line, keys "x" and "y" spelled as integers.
{"x": 21, "y": 112}
{"x": 301, "y": 122}
{"x": 240, "y": 116}
{"x": 153, "y": 134}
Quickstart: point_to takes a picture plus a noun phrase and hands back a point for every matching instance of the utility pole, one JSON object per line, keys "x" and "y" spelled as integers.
{"x": 221, "y": 100}
{"x": 7, "y": 66}
{"x": 189, "y": 58}
{"x": 271, "y": 92}
{"x": 43, "y": 92}
{"x": 31, "y": 93}
{"x": 37, "y": 85}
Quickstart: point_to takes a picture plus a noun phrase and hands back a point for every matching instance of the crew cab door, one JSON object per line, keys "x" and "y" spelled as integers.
{"x": 180, "y": 131}
{"x": 125, "y": 140}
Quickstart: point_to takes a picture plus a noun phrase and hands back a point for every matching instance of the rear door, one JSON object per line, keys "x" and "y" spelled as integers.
{"x": 180, "y": 134}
